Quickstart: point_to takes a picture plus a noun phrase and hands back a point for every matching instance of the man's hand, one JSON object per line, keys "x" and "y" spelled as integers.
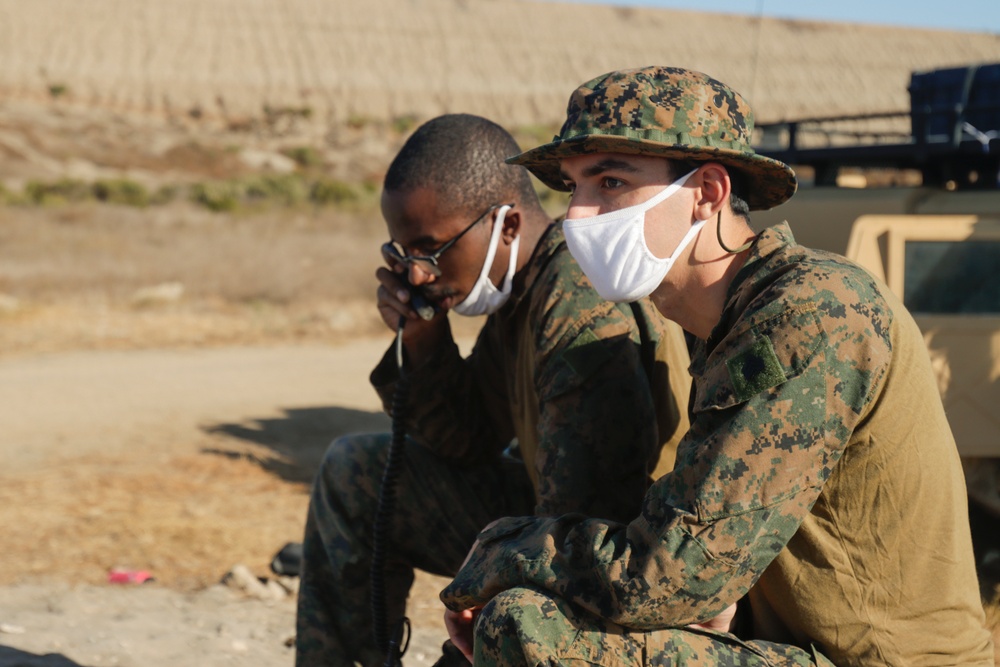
{"x": 460, "y": 625}
{"x": 420, "y": 337}
{"x": 394, "y": 296}
{"x": 723, "y": 622}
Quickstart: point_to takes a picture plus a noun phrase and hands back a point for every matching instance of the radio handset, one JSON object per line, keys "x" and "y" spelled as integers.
{"x": 425, "y": 309}
{"x": 420, "y": 303}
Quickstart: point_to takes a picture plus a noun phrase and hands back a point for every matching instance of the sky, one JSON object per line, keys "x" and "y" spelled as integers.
{"x": 968, "y": 15}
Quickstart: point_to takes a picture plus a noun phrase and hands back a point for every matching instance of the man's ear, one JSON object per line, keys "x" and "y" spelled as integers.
{"x": 511, "y": 225}
{"x": 714, "y": 190}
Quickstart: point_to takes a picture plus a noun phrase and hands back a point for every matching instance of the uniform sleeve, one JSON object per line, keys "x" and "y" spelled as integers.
{"x": 597, "y": 428}
{"x": 778, "y": 400}
{"x": 457, "y": 408}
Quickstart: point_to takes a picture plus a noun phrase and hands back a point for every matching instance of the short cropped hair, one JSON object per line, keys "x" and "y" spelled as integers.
{"x": 737, "y": 195}
{"x": 461, "y": 157}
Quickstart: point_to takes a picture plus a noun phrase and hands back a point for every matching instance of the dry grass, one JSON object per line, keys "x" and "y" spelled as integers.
{"x": 282, "y": 256}
{"x": 186, "y": 519}
{"x": 93, "y": 276}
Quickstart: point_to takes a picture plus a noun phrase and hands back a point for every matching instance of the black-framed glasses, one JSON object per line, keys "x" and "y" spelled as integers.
{"x": 429, "y": 263}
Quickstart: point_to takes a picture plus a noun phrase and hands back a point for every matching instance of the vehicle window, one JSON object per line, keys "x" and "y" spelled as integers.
{"x": 952, "y": 277}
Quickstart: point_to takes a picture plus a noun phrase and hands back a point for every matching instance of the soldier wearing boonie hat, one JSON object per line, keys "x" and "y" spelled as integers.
{"x": 780, "y": 537}
{"x": 664, "y": 112}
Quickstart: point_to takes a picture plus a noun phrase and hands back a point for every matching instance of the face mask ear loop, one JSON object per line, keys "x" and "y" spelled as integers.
{"x": 718, "y": 234}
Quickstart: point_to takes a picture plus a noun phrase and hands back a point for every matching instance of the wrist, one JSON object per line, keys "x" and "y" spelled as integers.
{"x": 422, "y": 340}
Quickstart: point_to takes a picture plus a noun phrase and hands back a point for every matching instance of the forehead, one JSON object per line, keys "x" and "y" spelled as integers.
{"x": 419, "y": 216}
{"x": 595, "y": 164}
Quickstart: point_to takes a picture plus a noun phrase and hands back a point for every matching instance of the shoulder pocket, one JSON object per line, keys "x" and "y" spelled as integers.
{"x": 759, "y": 354}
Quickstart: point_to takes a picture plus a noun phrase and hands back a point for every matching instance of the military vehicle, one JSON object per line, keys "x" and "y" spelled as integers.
{"x": 914, "y": 196}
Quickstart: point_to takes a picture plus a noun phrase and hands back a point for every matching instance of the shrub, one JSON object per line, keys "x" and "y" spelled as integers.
{"x": 371, "y": 185}
{"x": 325, "y": 192}
{"x": 121, "y": 191}
{"x": 283, "y": 118}
{"x": 288, "y": 189}
{"x": 358, "y": 121}
{"x": 304, "y": 156}
{"x": 403, "y": 124}
{"x": 217, "y": 196}
{"x": 164, "y": 194}
{"x": 62, "y": 191}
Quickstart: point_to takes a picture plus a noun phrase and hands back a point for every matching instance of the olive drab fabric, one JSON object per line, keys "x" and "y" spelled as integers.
{"x": 594, "y": 392}
{"x": 819, "y": 479}
{"x": 667, "y": 112}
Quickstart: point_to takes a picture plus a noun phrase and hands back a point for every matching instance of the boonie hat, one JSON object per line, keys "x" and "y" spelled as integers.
{"x": 665, "y": 112}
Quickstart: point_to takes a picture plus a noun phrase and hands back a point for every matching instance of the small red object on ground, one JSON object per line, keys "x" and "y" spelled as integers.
{"x": 129, "y": 576}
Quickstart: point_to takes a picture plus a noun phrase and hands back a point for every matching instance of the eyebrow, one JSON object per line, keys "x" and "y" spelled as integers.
{"x": 604, "y": 165}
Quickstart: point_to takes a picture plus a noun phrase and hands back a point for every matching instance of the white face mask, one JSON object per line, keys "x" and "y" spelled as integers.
{"x": 611, "y": 249}
{"x": 484, "y": 298}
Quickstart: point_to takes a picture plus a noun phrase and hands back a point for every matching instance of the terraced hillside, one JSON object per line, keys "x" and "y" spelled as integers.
{"x": 512, "y": 60}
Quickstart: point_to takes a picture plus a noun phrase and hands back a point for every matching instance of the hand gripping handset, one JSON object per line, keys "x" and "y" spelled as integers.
{"x": 425, "y": 309}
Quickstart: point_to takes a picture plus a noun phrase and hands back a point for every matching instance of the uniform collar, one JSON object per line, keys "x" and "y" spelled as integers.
{"x": 552, "y": 238}
{"x": 745, "y": 283}
{"x": 767, "y": 242}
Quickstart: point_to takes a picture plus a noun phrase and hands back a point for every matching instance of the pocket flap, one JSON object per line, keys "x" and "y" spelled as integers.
{"x": 759, "y": 355}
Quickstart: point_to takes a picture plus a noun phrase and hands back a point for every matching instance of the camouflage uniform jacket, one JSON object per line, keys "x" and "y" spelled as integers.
{"x": 582, "y": 383}
{"x": 819, "y": 476}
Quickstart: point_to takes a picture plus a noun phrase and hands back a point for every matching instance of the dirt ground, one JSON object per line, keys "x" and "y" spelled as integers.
{"x": 182, "y": 463}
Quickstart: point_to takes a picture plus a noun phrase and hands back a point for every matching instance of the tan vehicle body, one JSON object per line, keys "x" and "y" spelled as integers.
{"x": 873, "y": 228}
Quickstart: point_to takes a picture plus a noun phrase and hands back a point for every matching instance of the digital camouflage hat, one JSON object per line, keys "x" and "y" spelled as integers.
{"x": 666, "y": 112}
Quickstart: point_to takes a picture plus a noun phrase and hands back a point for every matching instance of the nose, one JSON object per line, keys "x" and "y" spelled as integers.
{"x": 582, "y": 204}
{"x": 579, "y": 207}
{"x": 417, "y": 276}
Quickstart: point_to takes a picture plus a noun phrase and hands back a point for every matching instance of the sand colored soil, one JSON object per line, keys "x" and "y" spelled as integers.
{"x": 182, "y": 464}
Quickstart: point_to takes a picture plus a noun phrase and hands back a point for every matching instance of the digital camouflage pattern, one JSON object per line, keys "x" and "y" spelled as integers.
{"x": 819, "y": 479}
{"x": 440, "y": 507}
{"x": 527, "y": 626}
{"x": 665, "y": 112}
{"x": 594, "y": 392}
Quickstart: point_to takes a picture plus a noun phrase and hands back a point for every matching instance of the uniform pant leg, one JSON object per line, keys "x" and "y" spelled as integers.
{"x": 528, "y": 627}
{"x": 440, "y": 508}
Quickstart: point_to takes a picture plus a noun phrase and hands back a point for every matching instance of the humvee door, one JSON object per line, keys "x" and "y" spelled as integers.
{"x": 946, "y": 270}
